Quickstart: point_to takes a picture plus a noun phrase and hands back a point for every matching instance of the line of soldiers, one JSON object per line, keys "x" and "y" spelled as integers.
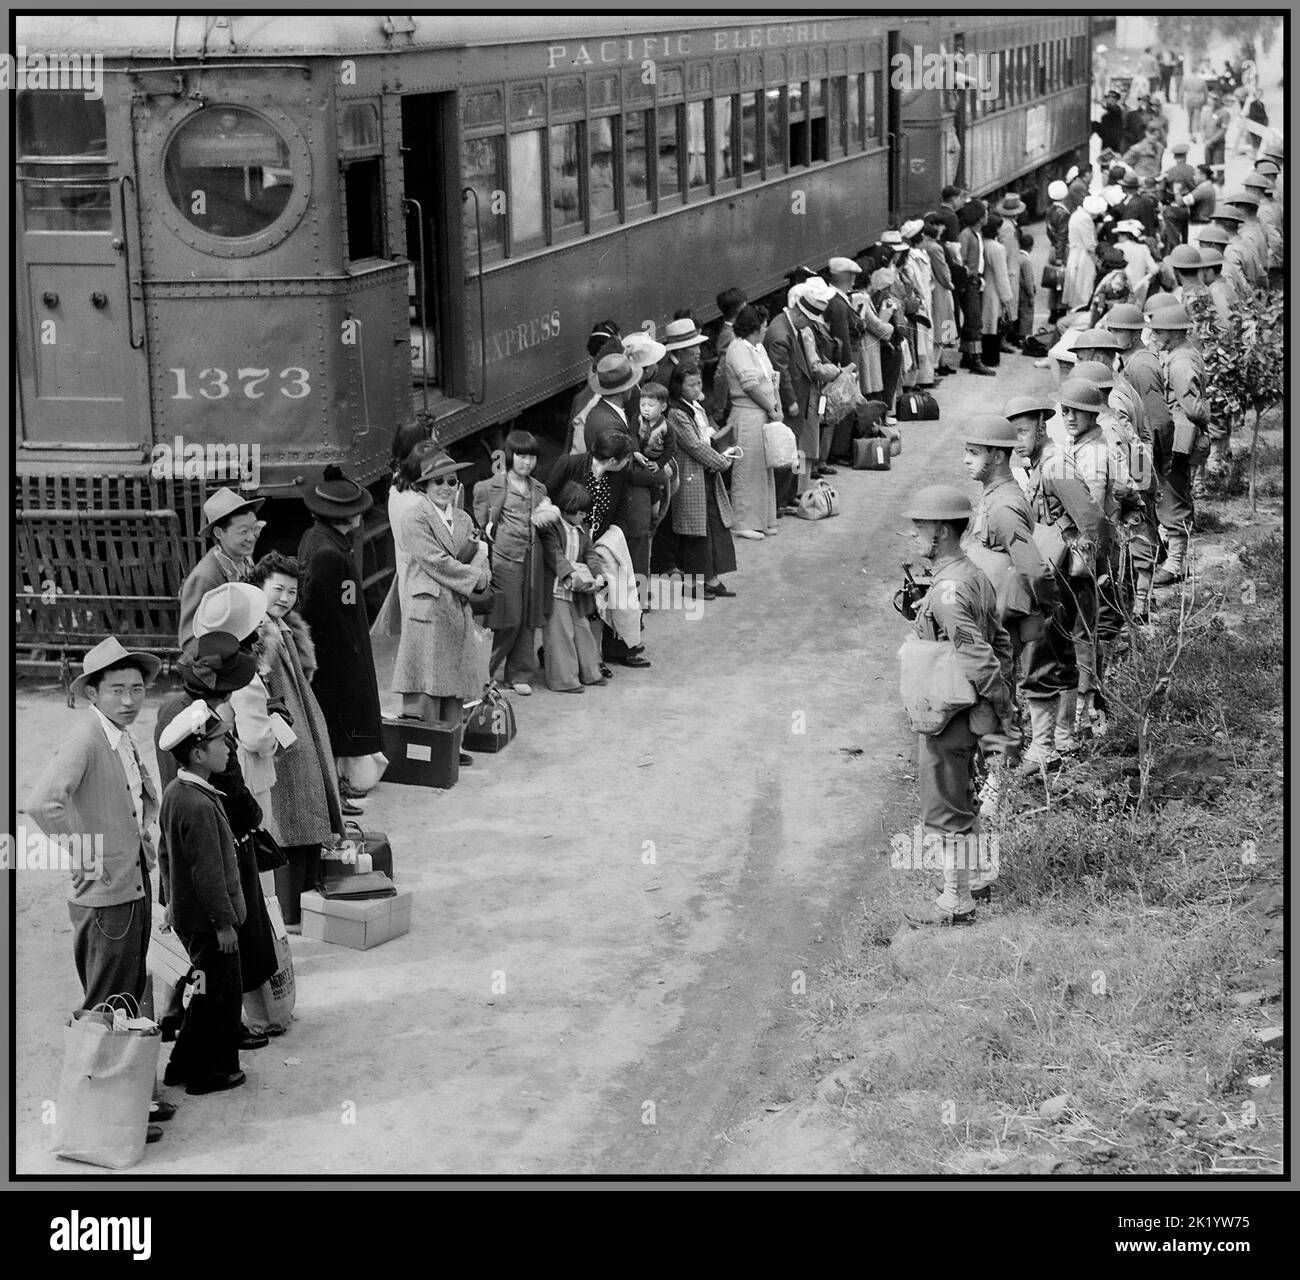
{"x": 1035, "y": 583}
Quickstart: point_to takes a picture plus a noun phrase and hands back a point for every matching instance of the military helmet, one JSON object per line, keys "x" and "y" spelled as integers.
{"x": 1257, "y": 181}
{"x": 1226, "y": 213}
{"x": 1096, "y": 340}
{"x": 939, "y": 502}
{"x": 1022, "y": 406}
{"x": 1095, "y": 372}
{"x": 1210, "y": 234}
{"x": 1248, "y": 198}
{"x": 990, "y": 429}
{"x": 1124, "y": 315}
{"x": 1174, "y": 317}
{"x": 1081, "y": 393}
{"x": 1185, "y": 257}
{"x": 1159, "y": 301}
{"x": 1211, "y": 257}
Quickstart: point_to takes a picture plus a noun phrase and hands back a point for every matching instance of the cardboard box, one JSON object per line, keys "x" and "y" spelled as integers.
{"x": 360, "y": 925}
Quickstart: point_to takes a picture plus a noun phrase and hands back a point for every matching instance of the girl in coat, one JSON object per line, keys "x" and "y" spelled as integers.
{"x": 999, "y": 303}
{"x": 511, "y": 508}
{"x": 701, "y": 510}
{"x": 305, "y": 802}
{"x": 572, "y": 655}
{"x": 751, "y": 381}
{"x": 441, "y": 658}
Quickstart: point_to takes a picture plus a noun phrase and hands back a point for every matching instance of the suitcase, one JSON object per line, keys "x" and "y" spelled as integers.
{"x": 489, "y": 722}
{"x": 422, "y": 753}
{"x": 374, "y": 843}
{"x": 871, "y": 454}
{"x": 917, "y": 406}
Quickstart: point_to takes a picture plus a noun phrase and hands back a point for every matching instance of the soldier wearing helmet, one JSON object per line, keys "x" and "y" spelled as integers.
{"x": 1241, "y": 253}
{"x": 1178, "y": 445}
{"x": 1001, "y": 542}
{"x": 1251, "y": 232}
{"x": 1085, "y": 463}
{"x": 960, "y": 610}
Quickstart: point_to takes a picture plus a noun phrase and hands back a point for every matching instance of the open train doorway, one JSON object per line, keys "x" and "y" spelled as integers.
{"x": 431, "y": 178}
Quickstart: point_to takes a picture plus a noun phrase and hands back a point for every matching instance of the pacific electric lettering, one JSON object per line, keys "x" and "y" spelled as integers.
{"x": 683, "y": 44}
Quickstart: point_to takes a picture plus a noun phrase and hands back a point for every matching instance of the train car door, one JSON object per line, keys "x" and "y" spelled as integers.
{"x": 431, "y": 174}
{"x": 894, "y": 129}
{"x": 83, "y": 371}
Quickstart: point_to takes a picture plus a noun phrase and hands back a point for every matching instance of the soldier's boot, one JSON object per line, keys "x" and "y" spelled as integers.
{"x": 1174, "y": 568}
{"x": 1042, "y": 752}
{"x": 1067, "y": 708}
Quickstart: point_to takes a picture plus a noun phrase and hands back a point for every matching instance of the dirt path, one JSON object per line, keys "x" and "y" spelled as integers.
{"x": 627, "y": 982}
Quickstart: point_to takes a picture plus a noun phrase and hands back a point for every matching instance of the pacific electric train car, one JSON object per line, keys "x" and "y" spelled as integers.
{"x": 269, "y": 244}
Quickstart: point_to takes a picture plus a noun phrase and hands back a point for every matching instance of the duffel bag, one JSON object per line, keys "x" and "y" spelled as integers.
{"x": 917, "y": 406}
{"x": 818, "y": 501}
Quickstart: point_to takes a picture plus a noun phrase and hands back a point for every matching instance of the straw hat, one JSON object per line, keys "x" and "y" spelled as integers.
{"x": 614, "y": 374}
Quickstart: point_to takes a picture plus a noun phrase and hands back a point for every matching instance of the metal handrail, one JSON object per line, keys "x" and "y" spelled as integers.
{"x": 424, "y": 308}
{"x": 482, "y": 313}
{"x": 126, "y": 262}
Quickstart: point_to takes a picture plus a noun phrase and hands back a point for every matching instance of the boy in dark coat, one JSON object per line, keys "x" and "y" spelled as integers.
{"x": 196, "y": 852}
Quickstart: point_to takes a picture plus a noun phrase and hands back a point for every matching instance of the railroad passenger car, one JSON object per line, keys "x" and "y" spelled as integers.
{"x": 272, "y": 244}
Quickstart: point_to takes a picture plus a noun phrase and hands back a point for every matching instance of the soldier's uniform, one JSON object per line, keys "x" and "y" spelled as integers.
{"x": 1181, "y": 443}
{"x": 961, "y": 609}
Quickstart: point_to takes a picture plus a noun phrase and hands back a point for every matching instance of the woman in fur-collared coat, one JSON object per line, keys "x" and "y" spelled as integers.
{"x": 305, "y": 794}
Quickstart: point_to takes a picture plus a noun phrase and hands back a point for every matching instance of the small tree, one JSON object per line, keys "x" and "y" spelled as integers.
{"x": 1244, "y": 362}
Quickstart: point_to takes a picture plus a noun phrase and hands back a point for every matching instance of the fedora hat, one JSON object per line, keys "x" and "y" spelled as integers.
{"x": 214, "y": 663}
{"x": 235, "y": 607}
{"x": 682, "y": 333}
{"x": 643, "y": 350}
{"x": 615, "y": 374}
{"x": 336, "y": 497}
{"x": 226, "y": 502}
{"x": 442, "y": 463}
{"x": 1095, "y": 372}
{"x": 1129, "y": 181}
{"x": 197, "y": 721}
{"x": 990, "y": 429}
{"x": 1185, "y": 257}
{"x": 1080, "y": 393}
{"x": 1124, "y": 315}
{"x": 1011, "y": 205}
{"x": 1022, "y": 406}
{"x": 110, "y": 652}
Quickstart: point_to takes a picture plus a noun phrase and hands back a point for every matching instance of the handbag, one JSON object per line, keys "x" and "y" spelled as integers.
{"x": 482, "y": 601}
{"x": 818, "y": 501}
{"x": 105, "y": 1087}
{"x": 489, "y": 721}
{"x": 780, "y": 446}
{"x": 918, "y": 406}
{"x": 267, "y": 850}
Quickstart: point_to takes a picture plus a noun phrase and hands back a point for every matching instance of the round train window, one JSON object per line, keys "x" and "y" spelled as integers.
{"x": 228, "y": 172}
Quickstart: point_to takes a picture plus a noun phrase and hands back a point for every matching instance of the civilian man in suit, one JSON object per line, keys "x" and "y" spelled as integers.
{"x": 798, "y": 389}
{"x": 96, "y": 786}
{"x": 233, "y": 523}
{"x": 682, "y": 343}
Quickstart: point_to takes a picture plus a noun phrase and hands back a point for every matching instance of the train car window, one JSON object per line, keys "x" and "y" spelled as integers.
{"x": 1040, "y": 70}
{"x": 57, "y": 124}
{"x": 568, "y": 96}
{"x": 637, "y": 87}
{"x": 774, "y": 132}
{"x": 603, "y": 91}
{"x": 566, "y": 175}
{"x": 480, "y": 168}
{"x": 726, "y": 77}
{"x": 636, "y": 166}
{"x": 749, "y": 158}
{"x": 697, "y": 146}
{"x": 363, "y": 194}
{"x": 667, "y": 144}
{"x": 527, "y": 102}
{"x": 360, "y": 128}
{"x": 227, "y": 171}
{"x": 483, "y": 108}
{"x": 837, "y": 108}
{"x": 797, "y": 117}
{"x": 699, "y": 79}
{"x": 751, "y": 74}
{"x": 670, "y": 83}
{"x": 527, "y": 221}
{"x": 603, "y": 183}
{"x": 855, "y": 97}
{"x": 725, "y": 116}
{"x": 871, "y": 100}
{"x": 817, "y": 121}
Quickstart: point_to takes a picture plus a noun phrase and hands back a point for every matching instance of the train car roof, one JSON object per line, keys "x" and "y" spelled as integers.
{"x": 190, "y": 36}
